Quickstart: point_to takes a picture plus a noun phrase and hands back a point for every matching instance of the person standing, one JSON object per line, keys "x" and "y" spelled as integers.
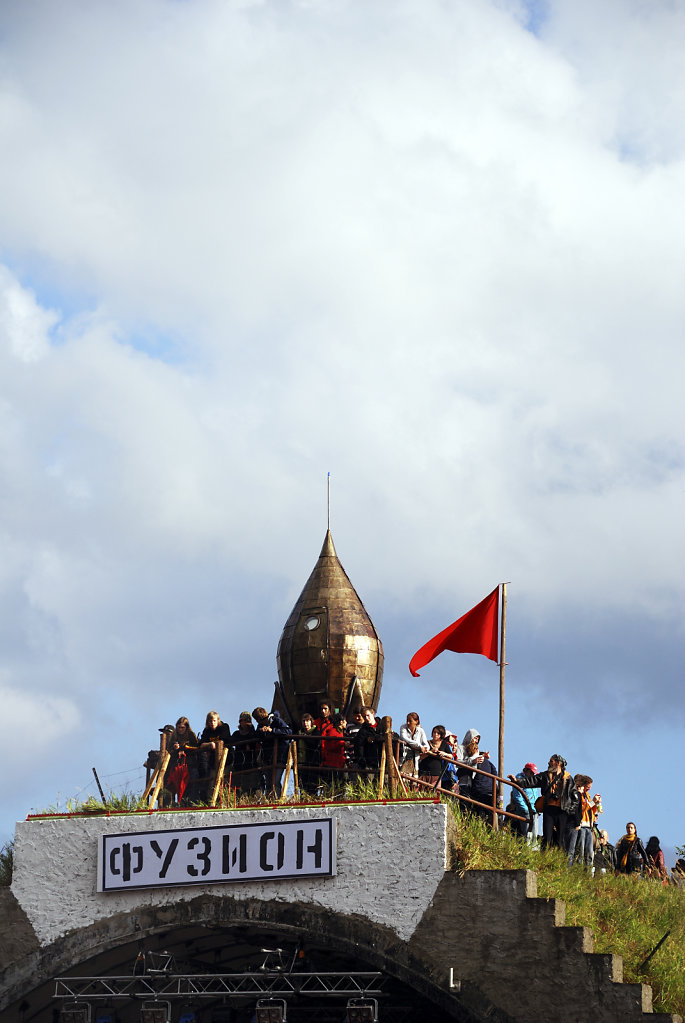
{"x": 368, "y": 743}
{"x": 431, "y": 764}
{"x": 182, "y": 745}
{"x": 582, "y": 823}
{"x": 631, "y": 856}
{"x": 559, "y": 798}
{"x": 245, "y": 749}
{"x": 483, "y": 790}
{"x": 215, "y": 731}
{"x": 415, "y": 742}
{"x": 520, "y": 806}
{"x": 272, "y": 733}
{"x": 332, "y": 750}
{"x": 469, "y": 755}
{"x": 657, "y": 864}
{"x": 308, "y": 756}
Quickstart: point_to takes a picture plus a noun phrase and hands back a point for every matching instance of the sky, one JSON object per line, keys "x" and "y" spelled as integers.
{"x": 434, "y": 248}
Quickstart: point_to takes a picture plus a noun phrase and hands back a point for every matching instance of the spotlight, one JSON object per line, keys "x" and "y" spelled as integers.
{"x": 362, "y": 1010}
{"x": 271, "y": 1010}
{"x": 76, "y": 1012}
{"x": 155, "y": 1012}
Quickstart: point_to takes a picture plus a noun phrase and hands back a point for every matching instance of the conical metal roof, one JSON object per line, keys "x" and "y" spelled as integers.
{"x": 329, "y": 648}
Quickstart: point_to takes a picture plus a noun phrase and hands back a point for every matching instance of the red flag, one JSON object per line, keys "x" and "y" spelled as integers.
{"x": 473, "y": 633}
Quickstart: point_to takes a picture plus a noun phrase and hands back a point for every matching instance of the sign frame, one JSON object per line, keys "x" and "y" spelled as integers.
{"x": 217, "y": 854}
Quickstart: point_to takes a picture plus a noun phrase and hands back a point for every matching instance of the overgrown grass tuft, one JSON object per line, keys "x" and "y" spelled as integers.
{"x": 6, "y": 864}
{"x": 114, "y": 802}
{"x": 628, "y": 916}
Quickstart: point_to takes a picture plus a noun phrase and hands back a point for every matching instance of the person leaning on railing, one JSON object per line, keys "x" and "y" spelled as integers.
{"x": 518, "y": 802}
{"x": 308, "y": 755}
{"x": 368, "y": 743}
{"x": 182, "y": 744}
{"x": 215, "y": 731}
{"x": 246, "y": 776}
{"x": 332, "y": 749}
{"x": 431, "y": 765}
{"x": 272, "y": 730}
{"x": 470, "y": 754}
{"x": 415, "y": 742}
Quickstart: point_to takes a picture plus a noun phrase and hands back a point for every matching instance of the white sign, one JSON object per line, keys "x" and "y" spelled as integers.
{"x": 247, "y": 852}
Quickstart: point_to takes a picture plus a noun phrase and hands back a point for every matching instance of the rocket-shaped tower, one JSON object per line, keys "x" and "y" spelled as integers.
{"x": 329, "y": 648}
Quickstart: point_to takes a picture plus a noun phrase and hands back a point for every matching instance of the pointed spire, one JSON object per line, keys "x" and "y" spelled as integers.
{"x": 327, "y": 642}
{"x": 328, "y": 549}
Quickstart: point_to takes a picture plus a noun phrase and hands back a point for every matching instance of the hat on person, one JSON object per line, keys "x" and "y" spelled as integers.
{"x": 167, "y": 728}
{"x": 245, "y": 716}
{"x": 530, "y": 767}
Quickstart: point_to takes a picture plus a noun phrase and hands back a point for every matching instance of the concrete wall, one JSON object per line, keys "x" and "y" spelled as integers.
{"x": 374, "y": 842}
{"x": 481, "y": 946}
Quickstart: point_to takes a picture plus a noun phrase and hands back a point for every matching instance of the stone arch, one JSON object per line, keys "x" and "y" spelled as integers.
{"x": 110, "y": 947}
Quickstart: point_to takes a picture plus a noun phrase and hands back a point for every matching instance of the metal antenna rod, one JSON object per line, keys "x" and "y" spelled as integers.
{"x": 329, "y": 502}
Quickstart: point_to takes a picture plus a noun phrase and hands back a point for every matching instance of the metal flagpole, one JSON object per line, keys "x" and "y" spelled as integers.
{"x": 502, "y": 665}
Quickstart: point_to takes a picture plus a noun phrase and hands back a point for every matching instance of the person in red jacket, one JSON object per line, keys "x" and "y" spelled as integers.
{"x": 332, "y": 749}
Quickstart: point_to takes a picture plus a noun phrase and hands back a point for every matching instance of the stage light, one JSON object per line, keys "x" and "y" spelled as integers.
{"x": 271, "y": 1010}
{"x": 362, "y": 1010}
{"x": 155, "y": 1012}
{"x": 78, "y": 1012}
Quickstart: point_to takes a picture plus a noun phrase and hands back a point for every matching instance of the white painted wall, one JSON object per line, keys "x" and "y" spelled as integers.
{"x": 390, "y": 861}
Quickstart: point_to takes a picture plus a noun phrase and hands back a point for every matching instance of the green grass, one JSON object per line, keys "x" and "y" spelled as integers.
{"x": 6, "y": 864}
{"x": 627, "y": 916}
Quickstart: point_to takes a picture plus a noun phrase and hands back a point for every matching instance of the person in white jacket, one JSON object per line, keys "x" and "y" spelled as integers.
{"x": 415, "y": 741}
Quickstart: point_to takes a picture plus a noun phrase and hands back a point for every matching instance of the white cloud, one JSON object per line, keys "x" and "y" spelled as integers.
{"x": 413, "y": 244}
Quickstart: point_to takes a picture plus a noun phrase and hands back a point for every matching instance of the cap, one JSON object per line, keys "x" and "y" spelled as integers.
{"x": 167, "y": 728}
{"x": 245, "y": 716}
{"x": 530, "y": 767}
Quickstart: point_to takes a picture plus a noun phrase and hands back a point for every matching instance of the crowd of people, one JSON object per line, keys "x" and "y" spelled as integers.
{"x": 330, "y": 748}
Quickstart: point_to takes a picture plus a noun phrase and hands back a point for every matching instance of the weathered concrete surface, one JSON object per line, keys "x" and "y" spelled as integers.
{"x": 63, "y": 854}
{"x": 508, "y": 952}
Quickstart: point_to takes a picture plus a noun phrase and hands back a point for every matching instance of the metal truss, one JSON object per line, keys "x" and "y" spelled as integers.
{"x": 211, "y": 985}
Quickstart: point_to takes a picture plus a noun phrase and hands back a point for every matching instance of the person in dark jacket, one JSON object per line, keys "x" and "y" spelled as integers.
{"x": 246, "y": 777}
{"x": 657, "y": 864}
{"x": 215, "y": 731}
{"x": 308, "y": 756}
{"x": 432, "y": 766}
{"x": 605, "y": 855}
{"x": 272, "y": 732}
{"x": 559, "y": 799}
{"x": 368, "y": 742}
{"x": 483, "y": 790}
{"x": 631, "y": 856}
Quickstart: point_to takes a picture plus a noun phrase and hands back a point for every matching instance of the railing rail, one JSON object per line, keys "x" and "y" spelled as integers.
{"x": 282, "y": 769}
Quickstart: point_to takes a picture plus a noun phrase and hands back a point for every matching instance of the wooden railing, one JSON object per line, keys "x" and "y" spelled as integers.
{"x": 391, "y": 781}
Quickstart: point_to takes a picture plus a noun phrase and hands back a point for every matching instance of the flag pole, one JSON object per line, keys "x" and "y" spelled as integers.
{"x": 502, "y": 665}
